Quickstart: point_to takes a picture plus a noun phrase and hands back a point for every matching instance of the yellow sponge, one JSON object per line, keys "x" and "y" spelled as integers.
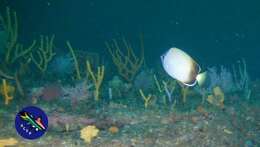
{"x": 88, "y": 133}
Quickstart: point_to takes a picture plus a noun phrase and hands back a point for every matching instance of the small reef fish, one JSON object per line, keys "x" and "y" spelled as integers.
{"x": 35, "y": 123}
{"x": 180, "y": 66}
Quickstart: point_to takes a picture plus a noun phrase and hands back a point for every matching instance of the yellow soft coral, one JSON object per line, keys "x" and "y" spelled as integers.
{"x": 147, "y": 99}
{"x": 97, "y": 78}
{"x": 8, "y": 142}
{"x": 7, "y": 91}
{"x": 76, "y": 63}
{"x": 44, "y": 53}
{"x": 217, "y": 98}
{"x": 128, "y": 63}
{"x": 88, "y": 133}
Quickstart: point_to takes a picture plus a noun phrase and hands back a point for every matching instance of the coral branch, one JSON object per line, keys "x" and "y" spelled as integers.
{"x": 76, "y": 64}
{"x": 10, "y": 26}
{"x": 168, "y": 92}
{"x": 7, "y": 91}
{"x": 18, "y": 85}
{"x": 166, "y": 89}
{"x": 157, "y": 83}
{"x": 127, "y": 63}
{"x": 4, "y": 75}
{"x": 241, "y": 79}
{"x": 145, "y": 98}
{"x": 13, "y": 50}
{"x": 20, "y": 51}
{"x": 44, "y": 53}
{"x": 97, "y": 80}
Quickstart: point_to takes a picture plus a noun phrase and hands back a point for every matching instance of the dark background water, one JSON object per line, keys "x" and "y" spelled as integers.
{"x": 214, "y": 32}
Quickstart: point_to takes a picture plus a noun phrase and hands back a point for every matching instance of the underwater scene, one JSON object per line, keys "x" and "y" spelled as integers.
{"x": 139, "y": 73}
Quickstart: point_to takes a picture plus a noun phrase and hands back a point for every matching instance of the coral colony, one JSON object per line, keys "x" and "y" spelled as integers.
{"x": 122, "y": 102}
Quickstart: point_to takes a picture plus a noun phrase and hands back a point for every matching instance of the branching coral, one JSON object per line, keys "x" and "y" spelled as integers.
{"x": 169, "y": 88}
{"x": 21, "y": 52}
{"x": 10, "y": 25}
{"x": 7, "y": 91}
{"x": 235, "y": 80}
{"x": 158, "y": 85}
{"x": 18, "y": 85}
{"x": 44, "y": 54}
{"x": 147, "y": 99}
{"x": 76, "y": 64}
{"x": 241, "y": 79}
{"x": 13, "y": 50}
{"x": 166, "y": 88}
{"x": 16, "y": 79}
{"x": 4, "y": 75}
{"x": 97, "y": 79}
{"x": 127, "y": 63}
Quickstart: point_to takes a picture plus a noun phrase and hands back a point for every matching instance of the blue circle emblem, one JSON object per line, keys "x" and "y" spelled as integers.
{"x": 31, "y": 122}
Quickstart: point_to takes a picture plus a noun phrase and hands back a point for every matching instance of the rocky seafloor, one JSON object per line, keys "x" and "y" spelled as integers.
{"x": 203, "y": 125}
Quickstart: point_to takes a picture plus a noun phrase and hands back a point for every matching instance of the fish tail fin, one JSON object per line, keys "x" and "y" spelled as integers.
{"x": 201, "y": 78}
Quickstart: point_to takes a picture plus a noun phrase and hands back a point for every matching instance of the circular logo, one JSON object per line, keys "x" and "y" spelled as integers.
{"x": 31, "y": 122}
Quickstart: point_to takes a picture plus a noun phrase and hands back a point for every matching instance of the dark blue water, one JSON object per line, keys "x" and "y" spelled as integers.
{"x": 213, "y": 32}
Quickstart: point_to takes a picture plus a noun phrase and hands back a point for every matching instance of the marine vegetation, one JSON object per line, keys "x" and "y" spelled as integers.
{"x": 7, "y": 91}
{"x": 76, "y": 64}
{"x": 113, "y": 98}
{"x": 44, "y": 53}
{"x": 127, "y": 62}
{"x": 146, "y": 99}
{"x": 96, "y": 79}
{"x": 88, "y": 133}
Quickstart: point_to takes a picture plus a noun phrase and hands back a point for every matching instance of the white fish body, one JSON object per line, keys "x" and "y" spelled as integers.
{"x": 180, "y": 66}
